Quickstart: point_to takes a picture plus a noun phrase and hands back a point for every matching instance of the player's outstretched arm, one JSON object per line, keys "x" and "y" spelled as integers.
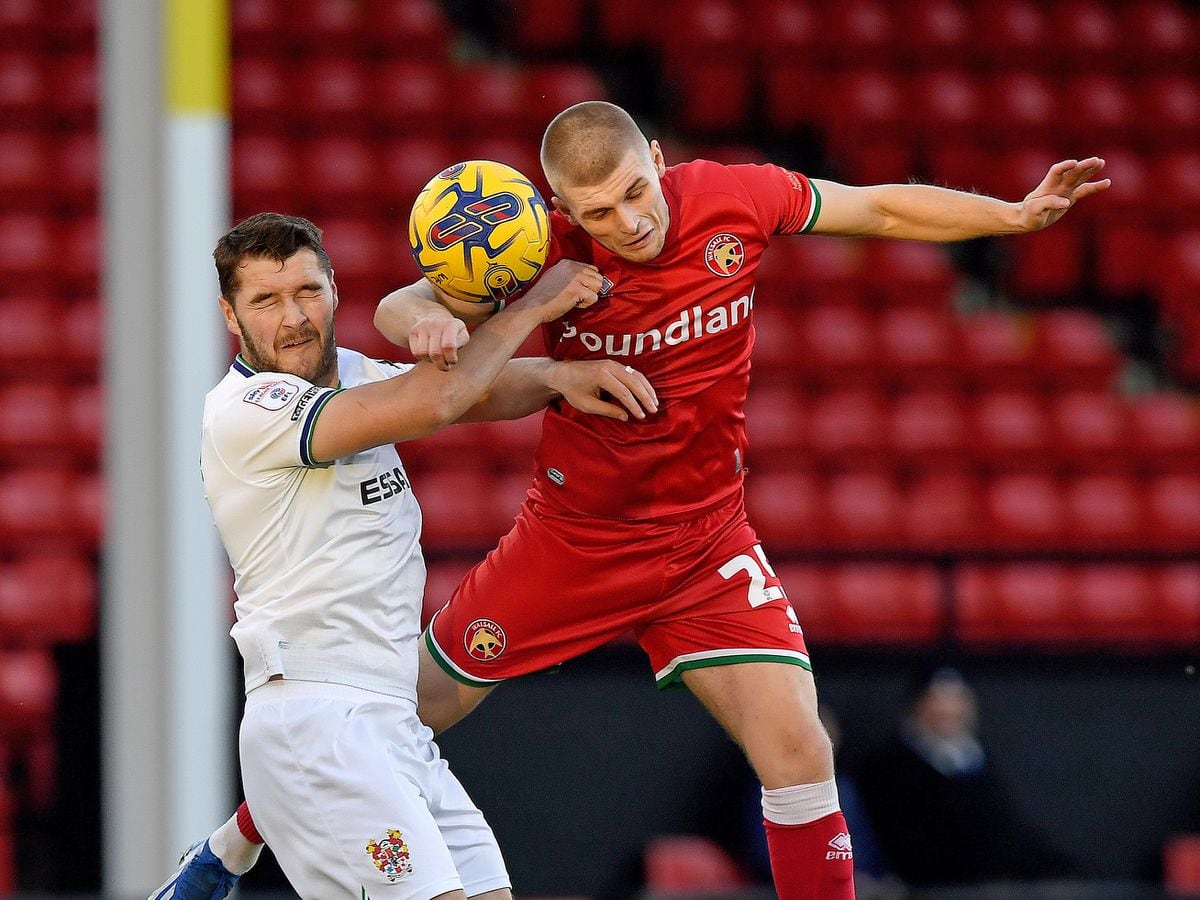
{"x": 419, "y": 402}
{"x": 429, "y": 322}
{"x": 927, "y": 213}
{"x": 599, "y": 387}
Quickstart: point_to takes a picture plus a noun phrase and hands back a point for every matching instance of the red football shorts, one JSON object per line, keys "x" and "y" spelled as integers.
{"x": 696, "y": 593}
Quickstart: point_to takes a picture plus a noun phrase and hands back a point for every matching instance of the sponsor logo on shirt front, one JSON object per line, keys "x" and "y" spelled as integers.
{"x": 724, "y": 254}
{"x": 383, "y": 486}
{"x": 687, "y": 325}
{"x": 274, "y": 395}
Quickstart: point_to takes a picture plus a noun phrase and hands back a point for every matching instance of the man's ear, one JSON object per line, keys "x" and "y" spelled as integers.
{"x": 333, "y": 289}
{"x": 230, "y": 319}
{"x": 656, "y": 156}
{"x": 562, "y": 208}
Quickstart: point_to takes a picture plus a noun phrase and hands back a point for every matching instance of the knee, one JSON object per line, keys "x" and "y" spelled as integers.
{"x": 799, "y": 752}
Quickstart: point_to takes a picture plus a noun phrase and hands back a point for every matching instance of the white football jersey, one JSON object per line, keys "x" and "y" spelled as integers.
{"x": 327, "y": 556}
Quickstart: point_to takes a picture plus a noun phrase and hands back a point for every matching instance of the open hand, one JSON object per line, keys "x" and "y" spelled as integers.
{"x": 602, "y": 387}
{"x": 1066, "y": 183}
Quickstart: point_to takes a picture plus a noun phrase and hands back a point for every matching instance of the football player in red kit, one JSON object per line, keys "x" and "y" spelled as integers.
{"x": 640, "y": 524}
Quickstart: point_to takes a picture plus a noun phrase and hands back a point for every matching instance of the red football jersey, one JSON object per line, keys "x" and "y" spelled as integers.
{"x": 684, "y": 320}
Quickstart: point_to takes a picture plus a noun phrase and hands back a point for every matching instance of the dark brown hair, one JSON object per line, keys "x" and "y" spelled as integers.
{"x": 265, "y": 235}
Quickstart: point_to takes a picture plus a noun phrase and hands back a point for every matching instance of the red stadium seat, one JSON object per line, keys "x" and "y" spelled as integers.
{"x": 833, "y": 344}
{"x": 76, "y": 162}
{"x": 31, "y": 422}
{"x": 28, "y": 248}
{"x": 938, "y": 30}
{"x": 911, "y": 273}
{"x": 1165, "y": 431}
{"x": 1084, "y": 31}
{"x": 1025, "y": 512}
{"x": 865, "y": 510}
{"x": 861, "y": 30}
{"x": 264, "y": 170}
{"x": 1012, "y": 33}
{"x": 341, "y": 171}
{"x": 1116, "y": 604}
{"x": 793, "y": 94}
{"x": 31, "y": 326}
{"x": 356, "y": 326}
{"x": 1180, "y": 206}
{"x": 419, "y": 26}
{"x": 407, "y": 164}
{"x": 622, "y": 24}
{"x": 28, "y": 689}
{"x": 513, "y": 441}
{"x": 554, "y": 87}
{"x": 263, "y": 91}
{"x": 1158, "y": 33}
{"x": 1075, "y": 349}
{"x": 712, "y": 98}
{"x": 23, "y": 88}
{"x": 540, "y": 26}
{"x": 785, "y": 32}
{"x": 337, "y": 89}
{"x": 948, "y": 103}
{"x": 48, "y": 598}
{"x": 824, "y": 270}
{"x": 776, "y": 423}
{"x": 1022, "y": 109}
{"x": 1102, "y": 111}
{"x": 412, "y": 90}
{"x": 458, "y": 509}
{"x": 843, "y": 424}
{"x": 1125, "y": 259}
{"x": 1046, "y": 266}
{"x": 1167, "y": 112}
{"x": 787, "y": 508}
{"x": 80, "y": 245}
{"x": 714, "y": 29}
{"x": 86, "y": 420}
{"x": 870, "y": 135}
{"x": 943, "y": 512}
{"x": 929, "y": 426}
{"x": 917, "y": 345}
{"x": 1179, "y": 276}
{"x": 683, "y": 865}
{"x": 496, "y": 97}
{"x": 1092, "y": 426}
{"x": 1011, "y": 428}
{"x": 37, "y": 507}
{"x": 1181, "y": 864}
{"x": 1174, "y": 510}
{"x": 997, "y": 351}
{"x": 1105, "y": 511}
{"x": 24, "y": 164}
{"x": 82, "y": 336}
{"x": 880, "y": 603}
{"x": 1019, "y": 603}
{"x": 1177, "y": 590}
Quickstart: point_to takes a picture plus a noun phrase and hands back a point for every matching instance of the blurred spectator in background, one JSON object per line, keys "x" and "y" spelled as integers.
{"x": 940, "y": 812}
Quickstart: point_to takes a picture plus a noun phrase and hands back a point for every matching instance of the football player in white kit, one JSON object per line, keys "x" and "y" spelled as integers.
{"x": 322, "y": 529}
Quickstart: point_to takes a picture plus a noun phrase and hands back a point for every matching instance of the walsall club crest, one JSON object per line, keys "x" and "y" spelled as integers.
{"x": 724, "y": 254}
{"x": 390, "y": 855}
{"x": 484, "y": 640}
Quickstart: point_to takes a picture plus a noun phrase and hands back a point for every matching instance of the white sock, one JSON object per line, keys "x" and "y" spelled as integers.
{"x": 230, "y": 846}
{"x": 801, "y": 803}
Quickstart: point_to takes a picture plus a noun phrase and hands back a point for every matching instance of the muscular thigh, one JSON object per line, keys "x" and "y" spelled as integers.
{"x": 770, "y": 710}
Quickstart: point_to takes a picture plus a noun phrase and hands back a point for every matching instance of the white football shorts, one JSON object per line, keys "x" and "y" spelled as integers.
{"x": 352, "y": 796}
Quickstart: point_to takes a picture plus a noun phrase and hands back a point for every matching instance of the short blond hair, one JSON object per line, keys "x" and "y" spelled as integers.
{"x": 587, "y": 141}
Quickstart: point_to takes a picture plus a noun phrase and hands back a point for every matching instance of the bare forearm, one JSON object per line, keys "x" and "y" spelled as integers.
{"x": 521, "y": 389}
{"x": 403, "y": 307}
{"x": 913, "y": 212}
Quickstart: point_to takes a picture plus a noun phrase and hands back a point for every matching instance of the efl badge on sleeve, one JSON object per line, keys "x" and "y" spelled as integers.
{"x": 391, "y": 855}
{"x": 273, "y": 395}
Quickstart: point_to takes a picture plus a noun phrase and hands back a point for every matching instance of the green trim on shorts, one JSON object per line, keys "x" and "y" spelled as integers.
{"x": 674, "y": 674}
{"x": 449, "y": 668}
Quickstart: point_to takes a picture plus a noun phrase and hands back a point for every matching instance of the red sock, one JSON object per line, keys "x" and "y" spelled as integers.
{"x": 246, "y": 825}
{"x": 812, "y": 861}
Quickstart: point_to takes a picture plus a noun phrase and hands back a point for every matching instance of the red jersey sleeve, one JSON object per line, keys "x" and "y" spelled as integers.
{"x": 786, "y": 201}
